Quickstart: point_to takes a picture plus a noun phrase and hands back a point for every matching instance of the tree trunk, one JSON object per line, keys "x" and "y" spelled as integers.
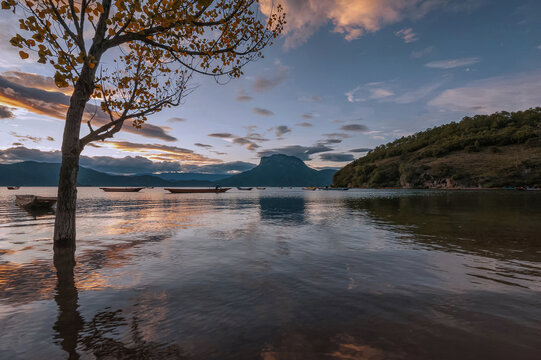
{"x": 64, "y": 226}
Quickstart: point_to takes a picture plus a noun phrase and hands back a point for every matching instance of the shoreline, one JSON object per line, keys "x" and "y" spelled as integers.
{"x": 454, "y": 188}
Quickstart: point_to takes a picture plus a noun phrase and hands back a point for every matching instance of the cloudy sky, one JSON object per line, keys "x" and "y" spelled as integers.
{"x": 346, "y": 76}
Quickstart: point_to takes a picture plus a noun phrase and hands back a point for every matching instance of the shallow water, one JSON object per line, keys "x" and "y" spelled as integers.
{"x": 276, "y": 274}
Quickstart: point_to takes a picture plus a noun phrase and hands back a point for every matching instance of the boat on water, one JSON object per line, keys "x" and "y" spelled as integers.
{"x": 310, "y": 188}
{"x": 196, "y": 191}
{"x": 244, "y": 188}
{"x": 14, "y": 187}
{"x": 118, "y": 189}
{"x": 335, "y": 189}
{"x": 34, "y": 201}
{"x": 260, "y": 188}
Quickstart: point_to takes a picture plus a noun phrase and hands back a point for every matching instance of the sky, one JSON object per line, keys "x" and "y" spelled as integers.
{"x": 345, "y": 77}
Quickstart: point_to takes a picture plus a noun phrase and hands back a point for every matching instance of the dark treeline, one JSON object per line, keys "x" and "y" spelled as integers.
{"x": 425, "y": 158}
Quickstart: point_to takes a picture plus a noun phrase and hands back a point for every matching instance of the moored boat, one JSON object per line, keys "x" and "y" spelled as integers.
{"x": 310, "y": 188}
{"x": 260, "y": 188}
{"x": 196, "y": 191}
{"x": 118, "y": 189}
{"x": 35, "y": 202}
{"x": 335, "y": 189}
{"x": 13, "y": 187}
{"x": 244, "y": 188}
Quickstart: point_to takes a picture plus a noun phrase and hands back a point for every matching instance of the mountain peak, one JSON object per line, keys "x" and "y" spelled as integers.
{"x": 281, "y": 170}
{"x": 281, "y": 159}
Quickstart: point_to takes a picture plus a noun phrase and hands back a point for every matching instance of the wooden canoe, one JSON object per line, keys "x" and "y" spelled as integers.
{"x": 310, "y": 188}
{"x": 13, "y": 187}
{"x": 116, "y": 189}
{"x": 260, "y": 188}
{"x": 196, "y": 191}
{"x": 244, "y": 188}
{"x": 35, "y": 202}
{"x": 335, "y": 189}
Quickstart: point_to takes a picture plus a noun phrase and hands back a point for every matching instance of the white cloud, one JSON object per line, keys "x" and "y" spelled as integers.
{"x": 370, "y": 91}
{"x": 389, "y": 92}
{"x": 407, "y": 35}
{"x": 351, "y": 95}
{"x": 510, "y": 93}
{"x": 453, "y": 63}
{"x": 380, "y": 93}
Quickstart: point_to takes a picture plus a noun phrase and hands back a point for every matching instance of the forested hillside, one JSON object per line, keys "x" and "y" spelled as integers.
{"x": 498, "y": 150}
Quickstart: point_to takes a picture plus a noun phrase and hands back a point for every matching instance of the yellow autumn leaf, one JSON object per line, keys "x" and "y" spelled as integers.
{"x": 23, "y": 55}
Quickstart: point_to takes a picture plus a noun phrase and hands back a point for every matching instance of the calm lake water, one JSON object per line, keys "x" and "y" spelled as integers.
{"x": 276, "y": 274}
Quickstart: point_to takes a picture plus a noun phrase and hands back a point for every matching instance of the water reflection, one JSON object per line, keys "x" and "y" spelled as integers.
{"x": 69, "y": 322}
{"x": 482, "y": 223}
{"x": 35, "y": 280}
{"x": 277, "y": 275}
{"x": 98, "y": 336}
{"x": 473, "y": 223}
{"x": 99, "y": 339}
{"x": 287, "y": 210}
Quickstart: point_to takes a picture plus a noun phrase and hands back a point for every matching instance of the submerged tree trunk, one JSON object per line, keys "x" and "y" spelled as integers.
{"x": 64, "y": 226}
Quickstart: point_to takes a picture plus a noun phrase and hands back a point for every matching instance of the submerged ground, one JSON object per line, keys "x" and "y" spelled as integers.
{"x": 276, "y": 274}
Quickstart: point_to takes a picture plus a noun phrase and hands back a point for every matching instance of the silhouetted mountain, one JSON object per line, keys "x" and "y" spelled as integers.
{"x": 191, "y": 176}
{"x": 281, "y": 170}
{"x": 31, "y": 173}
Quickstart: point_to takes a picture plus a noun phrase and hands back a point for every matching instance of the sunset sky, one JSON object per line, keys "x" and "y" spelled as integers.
{"x": 347, "y": 75}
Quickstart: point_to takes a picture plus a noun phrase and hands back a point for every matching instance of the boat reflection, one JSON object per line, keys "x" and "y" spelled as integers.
{"x": 99, "y": 336}
{"x": 38, "y": 213}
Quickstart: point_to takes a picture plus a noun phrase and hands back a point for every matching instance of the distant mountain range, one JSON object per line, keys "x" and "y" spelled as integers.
{"x": 31, "y": 173}
{"x": 190, "y": 176}
{"x": 275, "y": 170}
{"x": 281, "y": 170}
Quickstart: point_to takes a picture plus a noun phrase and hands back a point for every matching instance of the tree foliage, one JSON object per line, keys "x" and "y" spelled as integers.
{"x": 402, "y": 161}
{"x": 135, "y": 57}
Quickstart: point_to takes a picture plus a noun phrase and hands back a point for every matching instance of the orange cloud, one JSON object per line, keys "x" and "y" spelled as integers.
{"x": 352, "y": 18}
{"x": 35, "y": 81}
{"x": 158, "y": 152}
{"x": 36, "y": 94}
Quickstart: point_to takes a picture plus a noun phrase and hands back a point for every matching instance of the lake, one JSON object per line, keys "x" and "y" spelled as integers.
{"x": 276, "y": 274}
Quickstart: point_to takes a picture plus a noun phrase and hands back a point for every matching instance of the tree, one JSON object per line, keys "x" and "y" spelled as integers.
{"x": 134, "y": 58}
